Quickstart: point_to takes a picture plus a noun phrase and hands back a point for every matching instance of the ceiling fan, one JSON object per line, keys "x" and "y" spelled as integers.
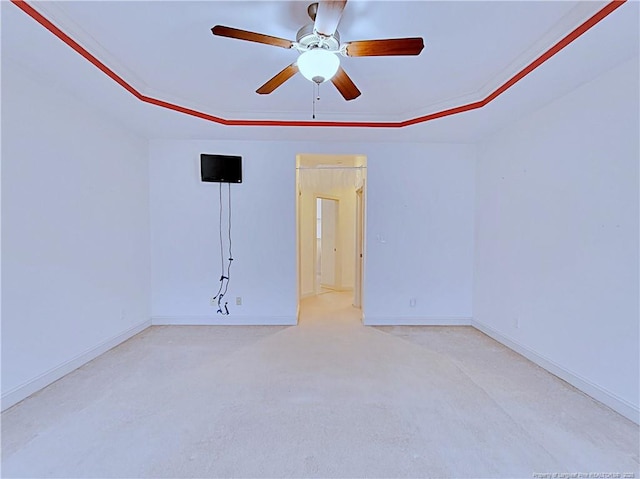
{"x": 319, "y": 46}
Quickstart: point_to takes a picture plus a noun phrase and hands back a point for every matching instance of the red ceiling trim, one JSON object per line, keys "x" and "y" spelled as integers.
{"x": 584, "y": 27}
{"x": 37, "y": 16}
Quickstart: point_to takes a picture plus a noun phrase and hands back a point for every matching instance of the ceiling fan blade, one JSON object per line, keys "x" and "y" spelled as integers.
{"x": 345, "y": 85}
{"x": 230, "y": 32}
{"x": 278, "y": 80}
{"x": 328, "y": 16}
{"x": 381, "y": 48}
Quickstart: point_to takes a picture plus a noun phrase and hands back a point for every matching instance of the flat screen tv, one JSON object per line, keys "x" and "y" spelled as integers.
{"x": 221, "y": 168}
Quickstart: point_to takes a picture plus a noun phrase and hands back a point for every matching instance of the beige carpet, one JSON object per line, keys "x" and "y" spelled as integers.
{"x": 328, "y": 398}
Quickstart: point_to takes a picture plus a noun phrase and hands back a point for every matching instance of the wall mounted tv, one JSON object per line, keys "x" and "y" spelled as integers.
{"x": 221, "y": 168}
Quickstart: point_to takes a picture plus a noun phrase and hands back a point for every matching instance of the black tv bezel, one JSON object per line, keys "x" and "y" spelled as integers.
{"x": 212, "y": 156}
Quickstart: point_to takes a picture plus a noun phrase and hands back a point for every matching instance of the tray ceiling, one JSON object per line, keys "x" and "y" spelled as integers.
{"x": 165, "y": 50}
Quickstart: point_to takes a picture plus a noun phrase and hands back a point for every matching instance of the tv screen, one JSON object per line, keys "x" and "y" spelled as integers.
{"x": 221, "y": 168}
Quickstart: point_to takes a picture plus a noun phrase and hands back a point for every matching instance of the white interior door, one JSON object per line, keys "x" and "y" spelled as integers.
{"x": 329, "y": 243}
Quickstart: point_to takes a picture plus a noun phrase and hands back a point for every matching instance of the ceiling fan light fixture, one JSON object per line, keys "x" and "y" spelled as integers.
{"x": 318, "y": 65}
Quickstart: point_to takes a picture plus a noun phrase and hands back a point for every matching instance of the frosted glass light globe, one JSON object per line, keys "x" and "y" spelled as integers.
{"x": 318, "y": 65}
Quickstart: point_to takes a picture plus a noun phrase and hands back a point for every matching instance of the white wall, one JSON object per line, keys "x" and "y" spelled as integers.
{"x": 419, "y": 199}
{"x": 75, "y": 244}
{"x": 185, "y": 235}
{"x": 556, "y": 263}
{"x": 420, "y": 203}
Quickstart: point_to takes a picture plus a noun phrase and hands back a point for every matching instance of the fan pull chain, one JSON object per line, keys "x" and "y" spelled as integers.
{"x": 313, "y": 111}
{"x": 315, "y": 97}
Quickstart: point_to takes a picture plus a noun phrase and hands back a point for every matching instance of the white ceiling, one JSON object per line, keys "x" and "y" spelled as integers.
{"x": 165, "y": 50}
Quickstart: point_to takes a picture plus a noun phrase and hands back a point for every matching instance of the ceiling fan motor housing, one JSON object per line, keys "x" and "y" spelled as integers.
{"x": 308, "y": 39}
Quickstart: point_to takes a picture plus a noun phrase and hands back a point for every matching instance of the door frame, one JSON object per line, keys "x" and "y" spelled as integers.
{"x": 358, "y": 286}
{"x": 361, "y": 162}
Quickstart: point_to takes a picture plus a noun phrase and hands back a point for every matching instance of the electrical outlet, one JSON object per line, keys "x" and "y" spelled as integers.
{"x": 412, "y": 302}
{"x": 238, "y": 300}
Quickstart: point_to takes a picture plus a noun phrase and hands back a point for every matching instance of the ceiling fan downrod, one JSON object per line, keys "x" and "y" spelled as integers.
{"x": 312, "y": 10}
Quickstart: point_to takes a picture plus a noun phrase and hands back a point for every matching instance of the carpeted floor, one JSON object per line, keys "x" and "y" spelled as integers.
{"x": 328, "y": 398}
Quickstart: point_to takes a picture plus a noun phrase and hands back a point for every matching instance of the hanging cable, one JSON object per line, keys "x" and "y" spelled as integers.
{"x": 222, "y": 276}
{"x": 224, "y": 286}
{"x": 220, "y": 229}
{"x": 230, "y": 253}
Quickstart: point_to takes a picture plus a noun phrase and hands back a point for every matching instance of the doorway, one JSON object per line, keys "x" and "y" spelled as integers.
{"x": 327, "y": 235}
{"x": 330, "y": 229}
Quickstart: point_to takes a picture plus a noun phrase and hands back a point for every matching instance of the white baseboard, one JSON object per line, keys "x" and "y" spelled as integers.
{"x": 607, "y": 398}
{"x": 415, "y": 321}
{"x": 230, "y": 320}
{"x": 25, "y": 390}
